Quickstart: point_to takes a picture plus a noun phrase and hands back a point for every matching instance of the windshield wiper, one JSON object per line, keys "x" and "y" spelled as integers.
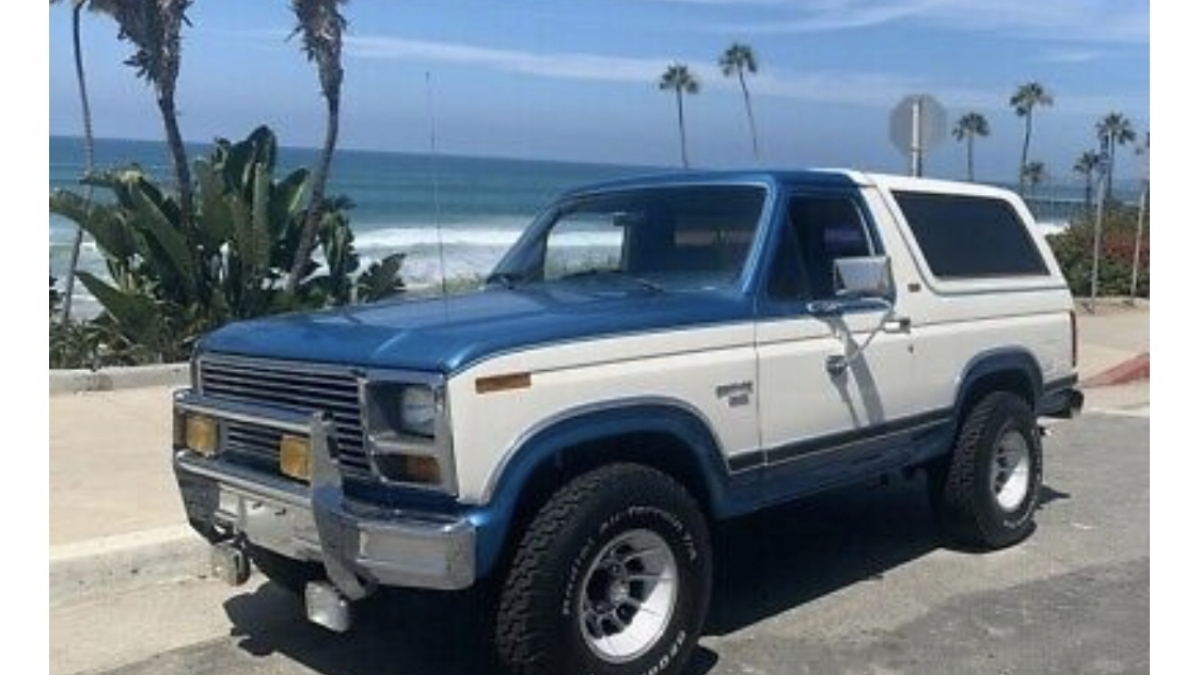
{"x": 613, "y": 274}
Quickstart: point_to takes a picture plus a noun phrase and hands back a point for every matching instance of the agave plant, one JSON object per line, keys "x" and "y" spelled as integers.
{"x": 168, "y": 285}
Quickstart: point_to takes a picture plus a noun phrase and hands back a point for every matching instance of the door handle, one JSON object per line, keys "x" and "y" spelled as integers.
{"x": 897, "y": 324}
{"x": 836, "y": 364}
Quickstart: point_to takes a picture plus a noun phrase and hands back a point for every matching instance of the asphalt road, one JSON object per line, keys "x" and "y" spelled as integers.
{"x": 854, "y": 582}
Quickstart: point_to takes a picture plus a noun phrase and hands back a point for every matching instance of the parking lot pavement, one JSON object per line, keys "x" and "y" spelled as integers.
{"x": 858, "y": 581}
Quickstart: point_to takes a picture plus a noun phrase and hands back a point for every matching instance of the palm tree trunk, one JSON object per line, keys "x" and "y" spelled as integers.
{"x": 1112, "y": 165}
{"x": 1087, "y": 192}
{"x": 971, "y": 157}
{"x": 89, "y": 156}
{"x": 682, "y": 131}
{"x": 183, "y": 175}
{"x": 312, "y": 219}
{"x": 749, "y": 115}
{"x": 1025, "y": 151}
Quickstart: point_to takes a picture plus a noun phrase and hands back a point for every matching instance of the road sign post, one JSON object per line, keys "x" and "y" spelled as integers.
{"x": 918, "y": 123}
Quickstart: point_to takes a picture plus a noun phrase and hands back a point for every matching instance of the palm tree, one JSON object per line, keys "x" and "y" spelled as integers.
{"x": 1024, "y": 101}
{"x": 678, "y": 79}
{"x": 1034, "y": 174}
{"x": 968, "y": 127}
{"x": 321, "y": 25}
{"x": 1088, "y": 165}
{"x": 89, "y": 149}
{"x": 154, "y": 26}
{"x": 739, "y": 59}
{"x": 1113, "y": 129}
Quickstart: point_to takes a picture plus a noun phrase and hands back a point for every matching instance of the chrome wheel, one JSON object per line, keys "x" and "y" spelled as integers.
{"x": 628, "y": 596}
{"x": 1010, "y": 472}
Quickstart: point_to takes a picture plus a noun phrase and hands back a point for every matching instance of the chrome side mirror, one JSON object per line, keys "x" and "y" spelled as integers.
{"x": 866, "y": 277}
{"x": 857, "y": 282}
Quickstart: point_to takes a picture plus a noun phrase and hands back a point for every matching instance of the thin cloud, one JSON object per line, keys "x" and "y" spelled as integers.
{"x": 846, "y": 87}
{"x": 1103, "y": 21}
{"x": 574, "y": 66}
{"x": 1071, "y": 56}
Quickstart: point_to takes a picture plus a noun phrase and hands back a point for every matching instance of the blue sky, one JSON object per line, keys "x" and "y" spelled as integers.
{"x": 577, "y": 80}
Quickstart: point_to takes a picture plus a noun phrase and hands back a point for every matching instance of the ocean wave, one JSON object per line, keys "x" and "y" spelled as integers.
{"x": 404, "y": 237}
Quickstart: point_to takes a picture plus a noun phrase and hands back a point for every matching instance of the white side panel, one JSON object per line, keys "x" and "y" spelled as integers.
{"x": 800, "y": 399}
{"x": 944, "y": 350}
{"x": 686, "y": 365}
{"x": 953, "y": 321}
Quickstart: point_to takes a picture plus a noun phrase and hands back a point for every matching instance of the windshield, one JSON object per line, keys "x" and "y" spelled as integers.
{"x": 662, "y": 237}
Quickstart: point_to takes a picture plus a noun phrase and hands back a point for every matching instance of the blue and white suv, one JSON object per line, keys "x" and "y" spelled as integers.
{"x": 653, "y": 355}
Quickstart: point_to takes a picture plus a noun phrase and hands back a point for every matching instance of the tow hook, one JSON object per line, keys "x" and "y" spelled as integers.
{"x": 229, "y": 563}
{"x": 326, "y": 606}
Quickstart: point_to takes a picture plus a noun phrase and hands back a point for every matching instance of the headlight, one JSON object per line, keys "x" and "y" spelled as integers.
{"x": 418, "y": 410}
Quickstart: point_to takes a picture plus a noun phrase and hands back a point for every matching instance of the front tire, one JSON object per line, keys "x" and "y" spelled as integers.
{"x": 612, "y": 577}
{"x": 986, "y": 496}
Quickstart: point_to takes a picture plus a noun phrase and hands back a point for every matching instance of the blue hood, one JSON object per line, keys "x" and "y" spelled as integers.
{"x": 451, "y": 334}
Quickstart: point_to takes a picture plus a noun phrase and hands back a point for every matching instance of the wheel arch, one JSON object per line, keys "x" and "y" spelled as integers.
{"x": 1012, "y": 369}
{"x": 666, "y": 435}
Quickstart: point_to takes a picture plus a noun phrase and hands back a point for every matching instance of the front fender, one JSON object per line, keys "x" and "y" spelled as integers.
{"x": 551, "y": 442}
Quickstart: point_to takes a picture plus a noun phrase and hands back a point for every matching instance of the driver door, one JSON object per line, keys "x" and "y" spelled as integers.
{"x": 832, "y": 386}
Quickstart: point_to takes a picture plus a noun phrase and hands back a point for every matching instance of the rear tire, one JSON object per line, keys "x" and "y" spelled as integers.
{"x": 612, "y": 577}
{"x": 987, "y": 493}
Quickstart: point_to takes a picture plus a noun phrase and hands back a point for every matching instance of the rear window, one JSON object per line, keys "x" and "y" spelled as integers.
{"x": 964, "y": 237}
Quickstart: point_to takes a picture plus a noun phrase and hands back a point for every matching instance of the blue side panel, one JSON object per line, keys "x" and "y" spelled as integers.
{"x": 726, "y": 494}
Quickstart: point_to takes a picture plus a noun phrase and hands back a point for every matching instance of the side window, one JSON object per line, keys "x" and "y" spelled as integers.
{"x": 970, "y": 237}
{"x": 819, "y": 229}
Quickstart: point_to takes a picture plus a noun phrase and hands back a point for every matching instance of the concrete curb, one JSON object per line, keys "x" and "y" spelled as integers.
{"x": 126, "y": 377}
{"x": 1133, "y": 370}
{"x": 97, "y": 567}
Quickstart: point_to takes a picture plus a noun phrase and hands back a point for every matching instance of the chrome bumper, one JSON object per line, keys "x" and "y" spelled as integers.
{"x": 360, "y": 545}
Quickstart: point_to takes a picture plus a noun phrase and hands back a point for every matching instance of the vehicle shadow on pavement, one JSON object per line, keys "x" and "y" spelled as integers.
{"x": 776, "y": 560}
{"x": 394, "y": 632}
{"x": 765, "y": 564}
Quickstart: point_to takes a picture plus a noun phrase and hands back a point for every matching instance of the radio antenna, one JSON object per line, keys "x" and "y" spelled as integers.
{"x": 437, "y": 202}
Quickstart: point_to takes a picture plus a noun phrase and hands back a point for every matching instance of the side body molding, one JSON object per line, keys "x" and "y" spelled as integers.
{"x": 549, "y": 443}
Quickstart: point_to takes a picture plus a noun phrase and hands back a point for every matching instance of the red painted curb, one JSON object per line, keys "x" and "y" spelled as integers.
{"x": 1133, "y": 370}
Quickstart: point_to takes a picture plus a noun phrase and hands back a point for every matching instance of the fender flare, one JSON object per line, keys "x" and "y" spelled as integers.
{"x": 1004, "y": 360}
{"x": 547, "y": 443}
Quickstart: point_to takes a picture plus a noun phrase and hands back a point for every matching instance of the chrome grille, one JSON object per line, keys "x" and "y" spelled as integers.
{"x": 307, "y": 387}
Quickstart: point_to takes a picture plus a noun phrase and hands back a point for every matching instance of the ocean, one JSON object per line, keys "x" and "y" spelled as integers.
{"x": 481, "y": 204}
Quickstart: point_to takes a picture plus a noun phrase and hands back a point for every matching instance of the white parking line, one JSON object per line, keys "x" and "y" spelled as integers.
{"x": 1140, "y": 412}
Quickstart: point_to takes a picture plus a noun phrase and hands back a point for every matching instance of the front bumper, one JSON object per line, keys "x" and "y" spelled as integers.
{"x": 360, "y": 545}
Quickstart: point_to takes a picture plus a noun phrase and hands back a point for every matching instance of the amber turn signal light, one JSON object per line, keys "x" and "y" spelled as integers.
{"x": 200, "y": 434}
{"x": 295, "y": 457}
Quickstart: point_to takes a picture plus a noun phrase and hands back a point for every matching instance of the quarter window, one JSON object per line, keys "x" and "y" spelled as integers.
{"x": 965, "y": 237}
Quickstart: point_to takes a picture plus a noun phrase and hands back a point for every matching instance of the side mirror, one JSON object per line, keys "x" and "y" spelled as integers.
{"x": 857, "y": 282}
{"x": 867, "y": 277}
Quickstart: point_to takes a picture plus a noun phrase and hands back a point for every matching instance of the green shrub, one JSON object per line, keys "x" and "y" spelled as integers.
{"x": 1073, "y": 249}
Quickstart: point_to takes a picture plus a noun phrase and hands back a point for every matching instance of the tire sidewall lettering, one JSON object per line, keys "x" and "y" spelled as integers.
{"x": 677, "y": 536}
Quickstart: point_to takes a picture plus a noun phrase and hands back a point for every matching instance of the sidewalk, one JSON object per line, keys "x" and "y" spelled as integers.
{"x": 116, "y": 517}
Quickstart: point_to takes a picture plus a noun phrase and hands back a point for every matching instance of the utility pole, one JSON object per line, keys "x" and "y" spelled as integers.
{"x": 1091, "y": 305}
{"x": 1142, "y": 205}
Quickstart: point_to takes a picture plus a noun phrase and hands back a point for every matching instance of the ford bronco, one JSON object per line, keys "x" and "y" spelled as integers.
{"x": 653, "y": 355}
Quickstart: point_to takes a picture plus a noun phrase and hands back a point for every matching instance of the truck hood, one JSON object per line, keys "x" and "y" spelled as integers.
{"x": 450, "y": 334}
